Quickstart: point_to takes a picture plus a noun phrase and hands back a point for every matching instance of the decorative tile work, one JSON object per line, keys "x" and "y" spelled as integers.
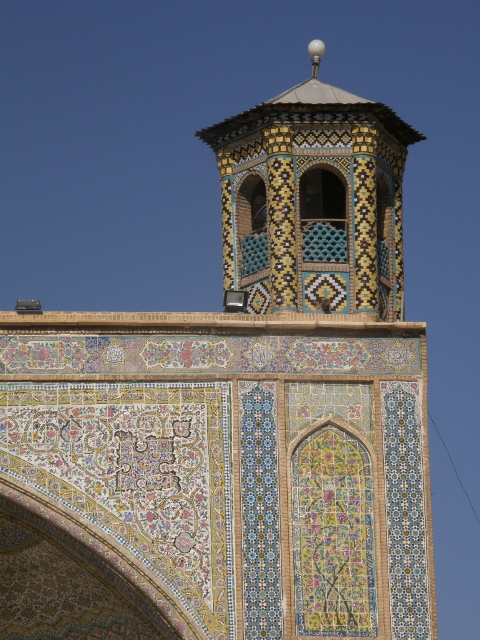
{"x": 281, "y": 208}
{"x": 405, "y": 497}
{"x": 365, "y": 233}
{"x": 383, "y": 259}
{"x": 399, "y": 273}
{"x": 45, "y": 594}
{"x": 259, "y": 297}
{"x": 333, "y": 536}
{"x": 383, "y": 301}
{"x": 306, "y": 403}
{"x": 343, "y": 164}
{"x": 250, "y": 150}
{"x": 260, "y": 511}
{"x": 104, "y": 556}
{"x": 230, "y": 354}
{"x": 254, "y": 253}
{"x": 323, "y": 138}
{"x": 322, "y": 242}
{"x": 174, "y": 354}
{"x": 14, "y": 538}
{"x": 326, "y": 284}
{"x": 148, "y": 463}
{"x": 227, "y": 235}
{"x": 385, "y": 152}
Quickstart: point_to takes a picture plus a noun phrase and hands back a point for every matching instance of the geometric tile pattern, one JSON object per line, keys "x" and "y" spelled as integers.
{"x": 254, "y": 253}
{"x": 283, "y": 261}
{"x": 258, "y": 297}
{"x": 260, "y": 511}
{"x": 365, "y": 233}
{"x": 341, "y": 163}
{"x": 383, "y": 301}
{"x": 323, "y": 138}
{"x": 383, "y": 259}
{"x": 227, "y": 235}
{"x": 385, "y": 152}
{"x": 151, "y": 463}
{"x": 405, "y": 505}
{"x": 399, "y": 272}
{"x": 161, "y": 353}
{"x": 306, "y": 403}
{"x": 334, "y": 286}
{"x": 44, "y": 594}
{"x": 333, "y": 536}
{"x": 14, "y": 538}
{"x": 322, "y": 242}
{"x": 248, "y": 151}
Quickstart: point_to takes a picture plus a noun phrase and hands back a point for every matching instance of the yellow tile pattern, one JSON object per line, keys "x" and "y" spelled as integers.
{"x": 279, "y": 138}
{"x": 281, "y": 205}
{"x": 366, "y": 268}
{"x": 227, "y": 235}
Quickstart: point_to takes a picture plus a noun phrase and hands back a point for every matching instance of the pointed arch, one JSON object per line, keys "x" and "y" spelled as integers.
{"x": 333, "y": 533}
{"x": 104, "y": 556}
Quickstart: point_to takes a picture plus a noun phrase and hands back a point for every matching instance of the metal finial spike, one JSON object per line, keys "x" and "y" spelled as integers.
{"x": 316, "y": 49}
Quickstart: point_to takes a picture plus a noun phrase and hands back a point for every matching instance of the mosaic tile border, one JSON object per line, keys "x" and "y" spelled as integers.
{"x": 132, "y": 354}
{"x": 262, "y": 572}
{"x": 405, "y": 505}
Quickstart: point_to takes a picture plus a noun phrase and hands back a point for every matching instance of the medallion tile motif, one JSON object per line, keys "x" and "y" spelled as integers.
{"x": 333, "y": 536}
{"x": 307, "y": 403}
{"x": 148, "y": 463}
{"x": 229, "y": 354}
{"x": 260, "y": 511}
{"x": 405, "y": 489}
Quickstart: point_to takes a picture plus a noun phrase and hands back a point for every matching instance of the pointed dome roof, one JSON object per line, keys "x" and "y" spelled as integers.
{"x": 312, "y": 91}
{"x": 311, "y": 95}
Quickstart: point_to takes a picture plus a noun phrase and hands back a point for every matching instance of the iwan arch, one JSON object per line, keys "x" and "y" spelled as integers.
{"x": 240, "y": 476}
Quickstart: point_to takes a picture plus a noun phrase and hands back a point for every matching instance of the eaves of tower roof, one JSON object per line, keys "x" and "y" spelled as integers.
{"x": 312, "y": 96}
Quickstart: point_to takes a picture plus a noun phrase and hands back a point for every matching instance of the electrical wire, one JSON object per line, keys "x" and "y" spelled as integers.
{"x": 454, "y": 467}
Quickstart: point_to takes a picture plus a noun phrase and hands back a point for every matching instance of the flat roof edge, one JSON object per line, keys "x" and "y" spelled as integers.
{"x": 56, "y": 320}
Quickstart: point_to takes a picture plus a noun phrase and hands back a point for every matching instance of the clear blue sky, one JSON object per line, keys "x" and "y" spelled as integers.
{"x": 109, "y": 202}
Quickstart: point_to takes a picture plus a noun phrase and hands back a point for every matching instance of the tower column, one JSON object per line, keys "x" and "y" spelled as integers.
{"x": 399, "y": 285}
{"x": 225, "y": 164}
{"x": 365, "y": 218}
{"x": 281, "y": 218}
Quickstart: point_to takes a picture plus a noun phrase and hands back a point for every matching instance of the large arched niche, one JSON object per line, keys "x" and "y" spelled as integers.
{"x": 87, "y": 548}
{"x": 332, "y": 515}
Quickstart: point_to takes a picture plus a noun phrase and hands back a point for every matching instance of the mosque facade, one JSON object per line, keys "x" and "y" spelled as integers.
{"x": 236, "y": 476}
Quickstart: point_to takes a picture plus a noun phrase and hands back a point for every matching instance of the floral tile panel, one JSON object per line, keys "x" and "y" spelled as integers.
{"x": 150, "y": 464}
{"x": 79, "y": 354}
{"x": 306, "y": 403}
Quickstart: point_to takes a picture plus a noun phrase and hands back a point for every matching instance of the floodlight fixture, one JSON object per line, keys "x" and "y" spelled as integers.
{"x": 28, "y": 306}
{"x": 235, "y": 301}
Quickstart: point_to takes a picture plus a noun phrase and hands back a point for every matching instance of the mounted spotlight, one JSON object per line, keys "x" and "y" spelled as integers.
{"x": 28, "y": 306}
{"x": 235, "y": 301}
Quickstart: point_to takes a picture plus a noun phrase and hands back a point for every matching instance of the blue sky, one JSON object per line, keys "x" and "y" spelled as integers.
{"x": 109, "y": 202}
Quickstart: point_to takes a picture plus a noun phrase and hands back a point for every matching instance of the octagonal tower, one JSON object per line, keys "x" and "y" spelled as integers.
{"x": 311, "y": 191}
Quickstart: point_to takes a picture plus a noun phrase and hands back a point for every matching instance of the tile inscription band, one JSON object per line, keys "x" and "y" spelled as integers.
{"x": 132, "y": 354}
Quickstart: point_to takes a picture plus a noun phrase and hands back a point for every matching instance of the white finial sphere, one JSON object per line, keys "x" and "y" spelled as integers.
{"x": 316, "y": 48}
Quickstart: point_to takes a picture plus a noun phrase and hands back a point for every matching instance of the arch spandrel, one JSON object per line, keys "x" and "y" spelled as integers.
{"x": 153, "y": 469}
{"x": 333, "y": 535}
